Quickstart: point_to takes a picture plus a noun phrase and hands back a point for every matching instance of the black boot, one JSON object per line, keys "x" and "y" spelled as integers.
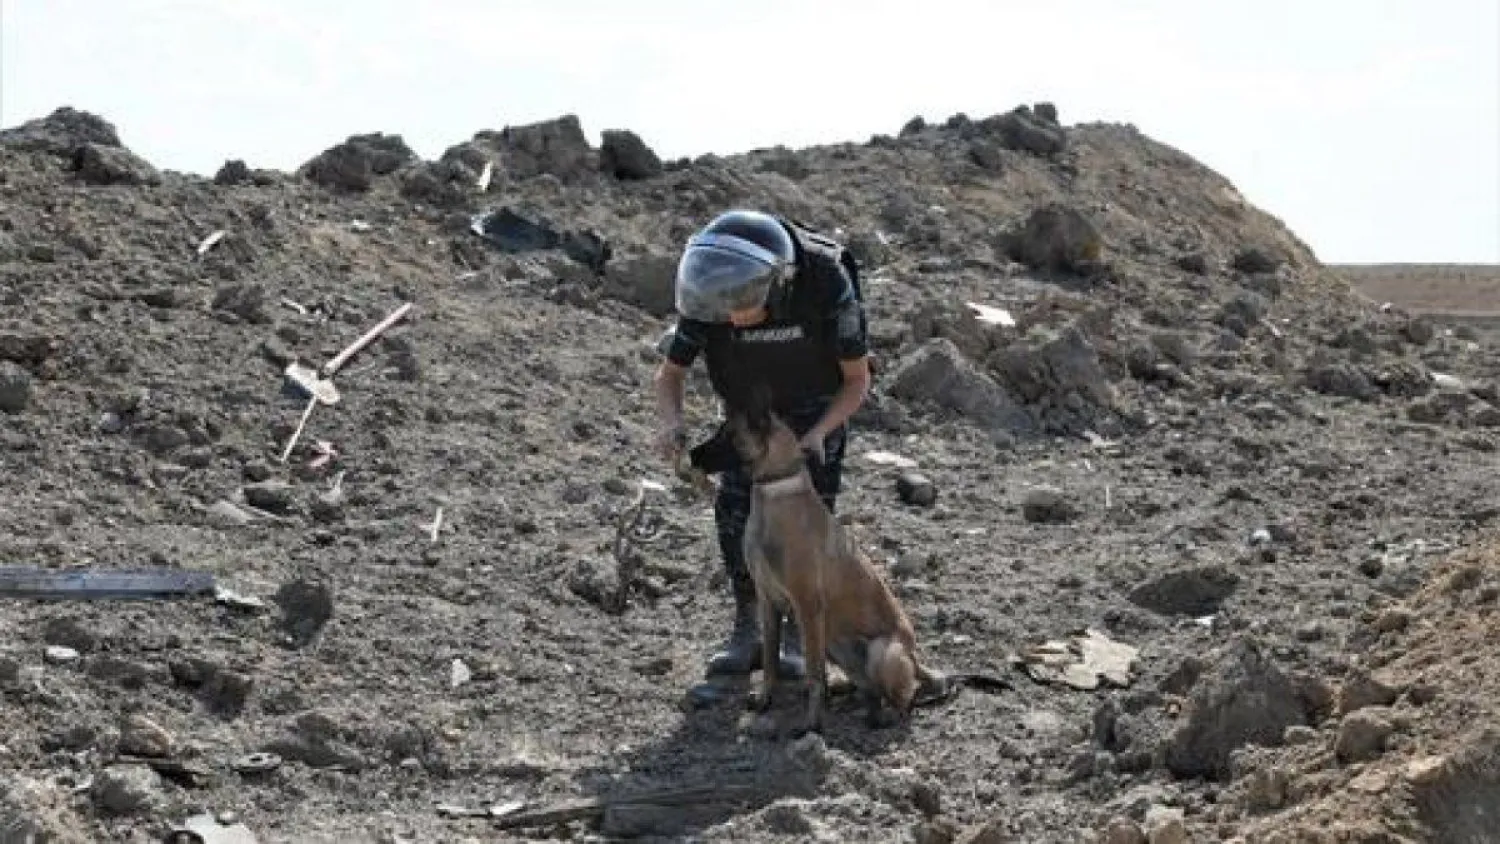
{"x": 741, "y": 651}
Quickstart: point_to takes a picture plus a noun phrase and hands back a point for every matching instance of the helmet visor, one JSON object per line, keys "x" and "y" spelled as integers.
{"x": 719, "y": 274}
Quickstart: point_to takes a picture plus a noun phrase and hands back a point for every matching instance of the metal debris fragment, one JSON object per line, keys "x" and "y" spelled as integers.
{"x": 256, "y": 763}
{"x": 91, "y": 584}
{"x": 210, "y": 241}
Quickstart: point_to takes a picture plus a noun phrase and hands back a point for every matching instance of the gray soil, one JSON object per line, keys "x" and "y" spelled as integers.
{"x": 1194, "y": 439}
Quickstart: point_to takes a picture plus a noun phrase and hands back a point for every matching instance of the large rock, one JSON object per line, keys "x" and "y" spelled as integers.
{"x": 441, "y": 184}
{"x": 1058, "y": 374}
{"x": 938, "y": 374}
{"x": 352, "y": 165}
{"x": 1055, "y": 237}
{"x": 556, "y": 146}
{"x": 100, "y": 164}
{"x": 1028, "y": 131}
{"x": 1245, "y": 700}
{"x": 61, "y": 132}
{"x": 1341, "y": 379}
{"x": 644, "y": 281}
{"x": 624, "y": 155}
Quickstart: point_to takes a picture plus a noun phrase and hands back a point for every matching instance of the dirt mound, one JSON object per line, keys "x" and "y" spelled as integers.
{"x": 1137, "y": 405}
{"x": 1412, "y": 752}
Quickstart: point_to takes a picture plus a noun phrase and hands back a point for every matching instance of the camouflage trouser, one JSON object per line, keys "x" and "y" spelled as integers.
{"x": 732, "y": 506}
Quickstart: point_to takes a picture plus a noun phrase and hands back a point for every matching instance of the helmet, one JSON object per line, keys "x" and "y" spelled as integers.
{"x": 732, "y": 264}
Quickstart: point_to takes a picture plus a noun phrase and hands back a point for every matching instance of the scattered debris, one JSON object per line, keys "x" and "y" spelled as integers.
{"x": 237, "y": 601}
{"x": 499, "y": 810}
{"x": 590, "y": 808}
{"x": 60, "y": 654}
{"x": 459, "y": 674}
{"x": 94, "y": 584}
{"x": 1083, "y": 662}
{"x": 990, "y": 315}
{"x": 886, "y": 458}
{"x": 256, "y": 763}
{"x": 210, "y": 241}
{"x": 211, "y": 829}
{"x": 318, "y": 383}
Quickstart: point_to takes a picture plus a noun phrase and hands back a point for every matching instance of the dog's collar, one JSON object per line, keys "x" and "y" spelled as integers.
{"x": 784, "y": 485}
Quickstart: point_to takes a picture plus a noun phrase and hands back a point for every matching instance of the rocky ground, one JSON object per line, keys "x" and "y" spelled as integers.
{"x": 1183, "y": 433}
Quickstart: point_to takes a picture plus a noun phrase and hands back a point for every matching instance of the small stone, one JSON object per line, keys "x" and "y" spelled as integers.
{"x": 15, "y": 388}
{"x": 1047, "y": 505}
{"x": 1299, "y": 734}
{"x": 459, "y": 674}
{"x": 1166, "y": 826}
{"x": 936, "y": 831}
{"x": 1372, "y": 566}
{"x": 60, "y": 655}
{"x": 140, "y": 736}
{"x": 70, "y": 633}
{"x": 1426, "y": 771}
{"x": 916, "y": 489}
{"x": 1310, "y": 632}
{"x": 10, "y": 673}
{"x": 1266, "y": 790}
{"x": 274, "y": 497}
{"x": 1362, "y": 735}
{"x": 1124, "y": 831}
{"x": 1362, "y": 688}
{"x": 1392, "y": 620}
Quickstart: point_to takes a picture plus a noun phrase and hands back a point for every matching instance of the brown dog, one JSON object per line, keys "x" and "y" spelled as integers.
{"x": 800, "y": 556}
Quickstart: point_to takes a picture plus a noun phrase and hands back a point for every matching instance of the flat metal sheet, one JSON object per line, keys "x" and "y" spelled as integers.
{"x": 86, "y": 585}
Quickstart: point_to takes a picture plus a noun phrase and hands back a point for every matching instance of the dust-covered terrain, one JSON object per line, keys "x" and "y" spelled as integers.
{"x": 1168, "y": 424}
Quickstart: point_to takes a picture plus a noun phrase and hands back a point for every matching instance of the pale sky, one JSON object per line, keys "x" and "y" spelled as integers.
{"x": 1371, "y": 127}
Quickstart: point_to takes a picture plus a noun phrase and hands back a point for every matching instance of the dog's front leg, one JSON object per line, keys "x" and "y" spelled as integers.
{"x": 770, "y": 651}
{"x": 810, "y": 617}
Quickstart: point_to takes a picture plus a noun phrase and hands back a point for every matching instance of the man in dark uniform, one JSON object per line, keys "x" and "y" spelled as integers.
{"x": 758, "y": 295}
